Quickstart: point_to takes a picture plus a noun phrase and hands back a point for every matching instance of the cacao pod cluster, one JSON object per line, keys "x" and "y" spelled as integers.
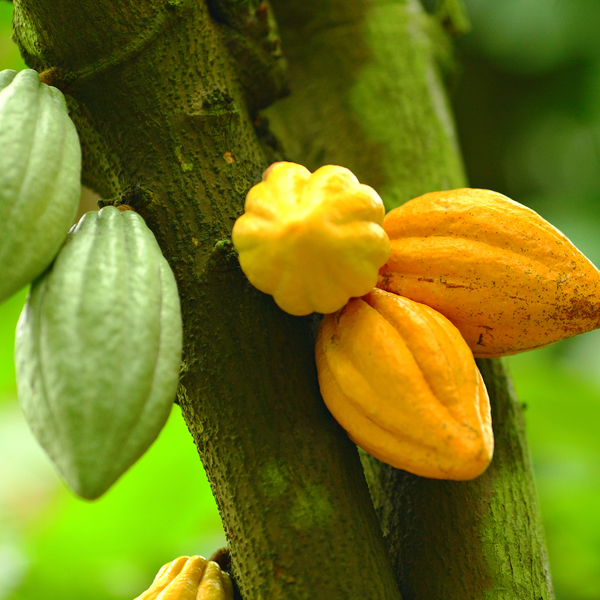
{"x": 470, "y": 273}
{"x": 98, "y": 344}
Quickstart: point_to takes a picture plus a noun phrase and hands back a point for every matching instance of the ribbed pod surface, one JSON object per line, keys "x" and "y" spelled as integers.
{"x": 505, "y": 277}
{"x": 312, "y": 241}
{"x": 401, "y": 381}
{"x": 190, "y": 578}
{"x": 98, "y": 350}
{"x": 40, "y": 164}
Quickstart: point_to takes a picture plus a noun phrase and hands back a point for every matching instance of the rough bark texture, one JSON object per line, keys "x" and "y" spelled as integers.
{"x": 367, "y": 94}
{"x": 478, "y": 539}
{"x": 162, "y": 99}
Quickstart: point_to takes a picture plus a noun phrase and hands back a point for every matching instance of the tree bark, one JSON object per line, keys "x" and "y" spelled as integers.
{"x": 367, "y": 94}
{"x": 163, "y": 94}
{"x": 476, "y": 539}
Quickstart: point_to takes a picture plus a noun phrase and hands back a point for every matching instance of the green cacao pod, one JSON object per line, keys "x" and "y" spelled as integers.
{"x": 98, "y": 350}
{"x": 40, "y": 166}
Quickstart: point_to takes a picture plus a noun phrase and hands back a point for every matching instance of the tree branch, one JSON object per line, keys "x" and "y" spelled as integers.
{"x": 366, "y": 94}
{"x": 161, "y": 109}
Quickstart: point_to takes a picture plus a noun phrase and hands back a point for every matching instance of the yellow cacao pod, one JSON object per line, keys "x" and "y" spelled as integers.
{"x": 190, "y": 578}
{"x": 400, "y": 379}
{"x": 312, "y": 241}
{"x": 503, "y": 275}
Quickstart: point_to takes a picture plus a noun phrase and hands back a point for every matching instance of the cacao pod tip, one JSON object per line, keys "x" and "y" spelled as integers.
{"x": 190, "y": 576}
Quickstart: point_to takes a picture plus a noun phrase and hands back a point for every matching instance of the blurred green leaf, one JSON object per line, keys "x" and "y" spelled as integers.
{"x": 9, "y": 53}
{"x": 9, "y": 314}
{"x": 563, "y": 411}
{"x": 535, "y": 36}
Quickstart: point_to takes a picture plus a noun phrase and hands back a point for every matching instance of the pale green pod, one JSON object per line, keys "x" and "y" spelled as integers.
{"x": 98, "y": 350}
{"x": 40, "y": 177}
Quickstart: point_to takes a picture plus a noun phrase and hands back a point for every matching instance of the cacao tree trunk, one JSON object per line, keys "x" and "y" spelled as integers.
{"x": 367, "y": 94}
{"x": 166, "y": 97}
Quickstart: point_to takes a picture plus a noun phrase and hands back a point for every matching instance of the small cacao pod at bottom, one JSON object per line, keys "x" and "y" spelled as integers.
{"x": 98, "y": 350}
{"x": 503, "y": 275}
{"x": 400, "y": 379}
{"x": 190, "y": 578}
{"x": 40, "y": 165}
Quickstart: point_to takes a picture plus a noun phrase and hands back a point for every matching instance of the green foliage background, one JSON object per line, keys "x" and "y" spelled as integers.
{"x": 527, "y": 100}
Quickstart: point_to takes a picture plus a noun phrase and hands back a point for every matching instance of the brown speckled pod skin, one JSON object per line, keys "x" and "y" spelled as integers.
{"x": 505, "y": 277}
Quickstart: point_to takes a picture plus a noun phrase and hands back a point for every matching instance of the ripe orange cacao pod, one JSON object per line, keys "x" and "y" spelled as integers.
{"x": 400, "y": 379}
{"x": 505, "y": 277}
